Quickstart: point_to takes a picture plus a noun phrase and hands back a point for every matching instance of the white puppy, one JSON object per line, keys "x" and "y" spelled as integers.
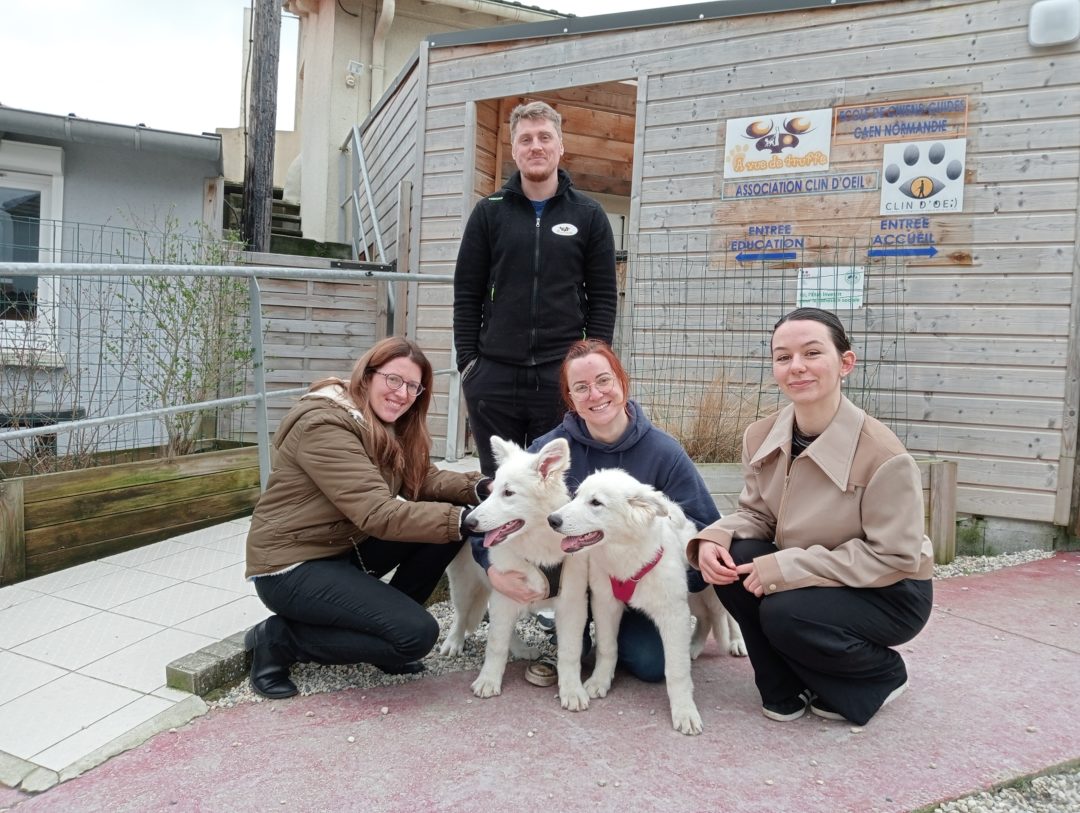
{"x": 637, "y": 540}
{"x": 526, "y": 488}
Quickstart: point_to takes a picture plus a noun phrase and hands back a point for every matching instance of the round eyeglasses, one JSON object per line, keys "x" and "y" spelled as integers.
{"x": 394, "y": 382}
{"x": 603, "y": 384}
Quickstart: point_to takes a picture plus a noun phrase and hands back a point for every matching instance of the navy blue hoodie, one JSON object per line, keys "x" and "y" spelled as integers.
{"x": 647, "y": 453}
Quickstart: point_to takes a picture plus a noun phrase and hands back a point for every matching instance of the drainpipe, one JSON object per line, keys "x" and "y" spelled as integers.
{"x": 378, "y": 51}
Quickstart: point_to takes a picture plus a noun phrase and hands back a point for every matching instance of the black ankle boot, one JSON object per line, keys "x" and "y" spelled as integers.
{"x": 269, "y": 670}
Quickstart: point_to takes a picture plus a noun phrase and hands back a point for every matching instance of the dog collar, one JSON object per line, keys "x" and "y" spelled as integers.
{"x": 553, "y": 575}
{"x": 624, "y": 590}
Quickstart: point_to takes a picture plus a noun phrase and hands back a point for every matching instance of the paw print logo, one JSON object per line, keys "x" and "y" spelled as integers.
{"x": 770, "y": 138}
{"x": 738, "y": 154}
{"x": 920, "y": 177}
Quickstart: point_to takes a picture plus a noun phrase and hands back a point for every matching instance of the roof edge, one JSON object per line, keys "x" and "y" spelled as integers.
{"x": 15, "y": 121}
{"x": 573, "y": 26}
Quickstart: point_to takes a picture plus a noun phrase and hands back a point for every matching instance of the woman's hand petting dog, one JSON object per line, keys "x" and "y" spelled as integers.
{"x": 513, "y": 584}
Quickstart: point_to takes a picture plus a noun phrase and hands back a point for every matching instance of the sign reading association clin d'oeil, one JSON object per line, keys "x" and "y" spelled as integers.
{"x": 778, "y": 144}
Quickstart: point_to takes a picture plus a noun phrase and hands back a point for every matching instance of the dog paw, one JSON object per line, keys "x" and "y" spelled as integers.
{"x": 737, "y": 648}
{"x": 452, "y": 647}
{"x": 696, "y": 649}
{"x": 486, "y": 687}
{"x": 575, "y": 699}
{"x": 597, "y": 687}
{"x": 686, "y": 721}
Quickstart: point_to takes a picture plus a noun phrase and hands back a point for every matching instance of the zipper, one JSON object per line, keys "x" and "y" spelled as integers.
{"x": 535, "y": 292}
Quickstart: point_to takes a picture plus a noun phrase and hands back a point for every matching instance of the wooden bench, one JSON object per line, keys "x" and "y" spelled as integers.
{"x": 725, "y": 482}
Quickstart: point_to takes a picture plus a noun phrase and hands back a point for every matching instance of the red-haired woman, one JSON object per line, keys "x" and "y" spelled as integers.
{"x": 606, "y": 429}
{"x": 352, "y": 496}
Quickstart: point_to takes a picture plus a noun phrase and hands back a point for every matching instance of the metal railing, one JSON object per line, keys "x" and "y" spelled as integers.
{"x": 353, "y": 204}
{"x": 260, "y": 395}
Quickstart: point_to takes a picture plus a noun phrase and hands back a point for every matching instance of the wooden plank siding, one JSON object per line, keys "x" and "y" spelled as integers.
{"x": 389, "y": 150}
{"x": 989, "y": 325}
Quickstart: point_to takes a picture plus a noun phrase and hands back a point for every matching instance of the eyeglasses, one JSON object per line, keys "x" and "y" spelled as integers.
{"x": 395, "y": 382}
{"x": 602, "y": 383}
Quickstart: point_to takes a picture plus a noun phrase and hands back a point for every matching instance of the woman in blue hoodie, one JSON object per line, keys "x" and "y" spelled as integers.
{"x": 605, "y": 429}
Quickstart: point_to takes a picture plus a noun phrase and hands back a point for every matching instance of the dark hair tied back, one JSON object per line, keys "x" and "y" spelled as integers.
{"x": 839, "y": 337}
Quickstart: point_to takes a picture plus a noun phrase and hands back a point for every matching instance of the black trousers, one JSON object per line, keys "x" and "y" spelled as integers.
{"x": 338, "y": 611}
{"x": 515, "y": 403}
{"x": 834, "y": 641}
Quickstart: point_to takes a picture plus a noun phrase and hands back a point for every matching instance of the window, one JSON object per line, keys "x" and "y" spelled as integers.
{"x": 31, "y": 209}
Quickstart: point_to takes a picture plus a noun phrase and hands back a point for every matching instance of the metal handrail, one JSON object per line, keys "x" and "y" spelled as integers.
{"x": 359, "y": 172}
{"x": 344, "y": 271}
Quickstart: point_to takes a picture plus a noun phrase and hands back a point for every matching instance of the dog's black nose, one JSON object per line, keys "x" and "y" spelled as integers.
{"x": 555, "y": 521}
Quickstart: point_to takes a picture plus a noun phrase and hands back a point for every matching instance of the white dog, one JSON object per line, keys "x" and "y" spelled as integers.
{"x": 637, "y": 540}
{"x": 527, "y": 487}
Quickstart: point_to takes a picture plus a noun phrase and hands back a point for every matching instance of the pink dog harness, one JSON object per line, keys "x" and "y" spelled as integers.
{"x": 624, "y": 590}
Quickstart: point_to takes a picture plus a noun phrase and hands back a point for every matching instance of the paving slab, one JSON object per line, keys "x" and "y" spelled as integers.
{"x": 993, "y": 697}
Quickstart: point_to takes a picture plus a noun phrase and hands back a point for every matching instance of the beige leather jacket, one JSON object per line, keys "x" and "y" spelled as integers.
{"x": 325, "y": 491}
{"x": 847, "y": 511}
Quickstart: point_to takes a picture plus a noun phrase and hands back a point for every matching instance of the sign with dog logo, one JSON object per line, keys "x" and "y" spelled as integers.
{"x": 923, "y": 176}
{"x": 778, "y": 143}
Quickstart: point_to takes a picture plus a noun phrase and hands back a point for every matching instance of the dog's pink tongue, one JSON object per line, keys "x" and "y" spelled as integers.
{"x": 491, "y": 537}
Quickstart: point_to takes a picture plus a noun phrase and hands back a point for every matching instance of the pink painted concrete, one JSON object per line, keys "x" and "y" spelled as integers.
{"x": 995, "y": 694}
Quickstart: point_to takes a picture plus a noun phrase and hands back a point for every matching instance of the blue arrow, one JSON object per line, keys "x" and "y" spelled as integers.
{"x": 902, "y": 252}
{"x": 776, "y": 255}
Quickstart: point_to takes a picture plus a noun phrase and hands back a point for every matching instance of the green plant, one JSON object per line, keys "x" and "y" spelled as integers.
{"x": 193, "y": 331}
{"x": 971, "y": 538}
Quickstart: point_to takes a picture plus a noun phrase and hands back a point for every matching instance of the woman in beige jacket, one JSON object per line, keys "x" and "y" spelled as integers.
{"x": 825, "y": 564}
{"x": 352, "y": 496}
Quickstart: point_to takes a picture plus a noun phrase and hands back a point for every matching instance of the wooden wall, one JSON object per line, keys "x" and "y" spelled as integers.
{"x": 390, "y": 151}
{"x": 992, "y": 371}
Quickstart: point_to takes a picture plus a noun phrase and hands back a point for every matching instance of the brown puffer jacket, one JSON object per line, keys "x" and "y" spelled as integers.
{"x": 326, "y": 492}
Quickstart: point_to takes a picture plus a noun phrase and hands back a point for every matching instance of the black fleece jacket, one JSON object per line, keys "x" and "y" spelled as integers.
{"x": 525, "y": 288}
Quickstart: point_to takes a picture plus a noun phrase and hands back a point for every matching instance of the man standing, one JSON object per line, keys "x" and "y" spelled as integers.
{"x": 535, "y": 272}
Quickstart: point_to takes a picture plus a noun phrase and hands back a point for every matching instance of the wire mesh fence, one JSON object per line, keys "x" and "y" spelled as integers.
{"x": 82, "y": 346}
{"x": 699, "y": 316}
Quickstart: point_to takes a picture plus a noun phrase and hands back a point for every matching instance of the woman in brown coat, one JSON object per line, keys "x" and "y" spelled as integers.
{"x": 352, "y": 496}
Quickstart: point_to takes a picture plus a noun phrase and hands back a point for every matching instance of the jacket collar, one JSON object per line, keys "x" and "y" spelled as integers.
{"x": 513, "y": 184}
{"x": 834, "y": 450}
{"x": 337, "y": 394}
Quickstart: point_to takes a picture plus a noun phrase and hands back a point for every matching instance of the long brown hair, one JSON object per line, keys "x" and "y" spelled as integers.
{"x": 586, "y": 347}
{"x": 406, "y": 451}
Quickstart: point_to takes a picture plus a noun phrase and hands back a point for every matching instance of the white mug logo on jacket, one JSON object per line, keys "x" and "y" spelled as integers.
{"x": 564, "y": 229}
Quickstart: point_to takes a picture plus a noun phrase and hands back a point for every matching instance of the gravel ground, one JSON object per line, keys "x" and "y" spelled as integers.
{"x": 1053, "y": 793}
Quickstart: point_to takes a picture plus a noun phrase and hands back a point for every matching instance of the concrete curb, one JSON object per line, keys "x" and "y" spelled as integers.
{"x": 180, "y": 713}
{"x": 210, "y": 668}
{"x": 14, "y": 770}
{"x": 19, "y": 774}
